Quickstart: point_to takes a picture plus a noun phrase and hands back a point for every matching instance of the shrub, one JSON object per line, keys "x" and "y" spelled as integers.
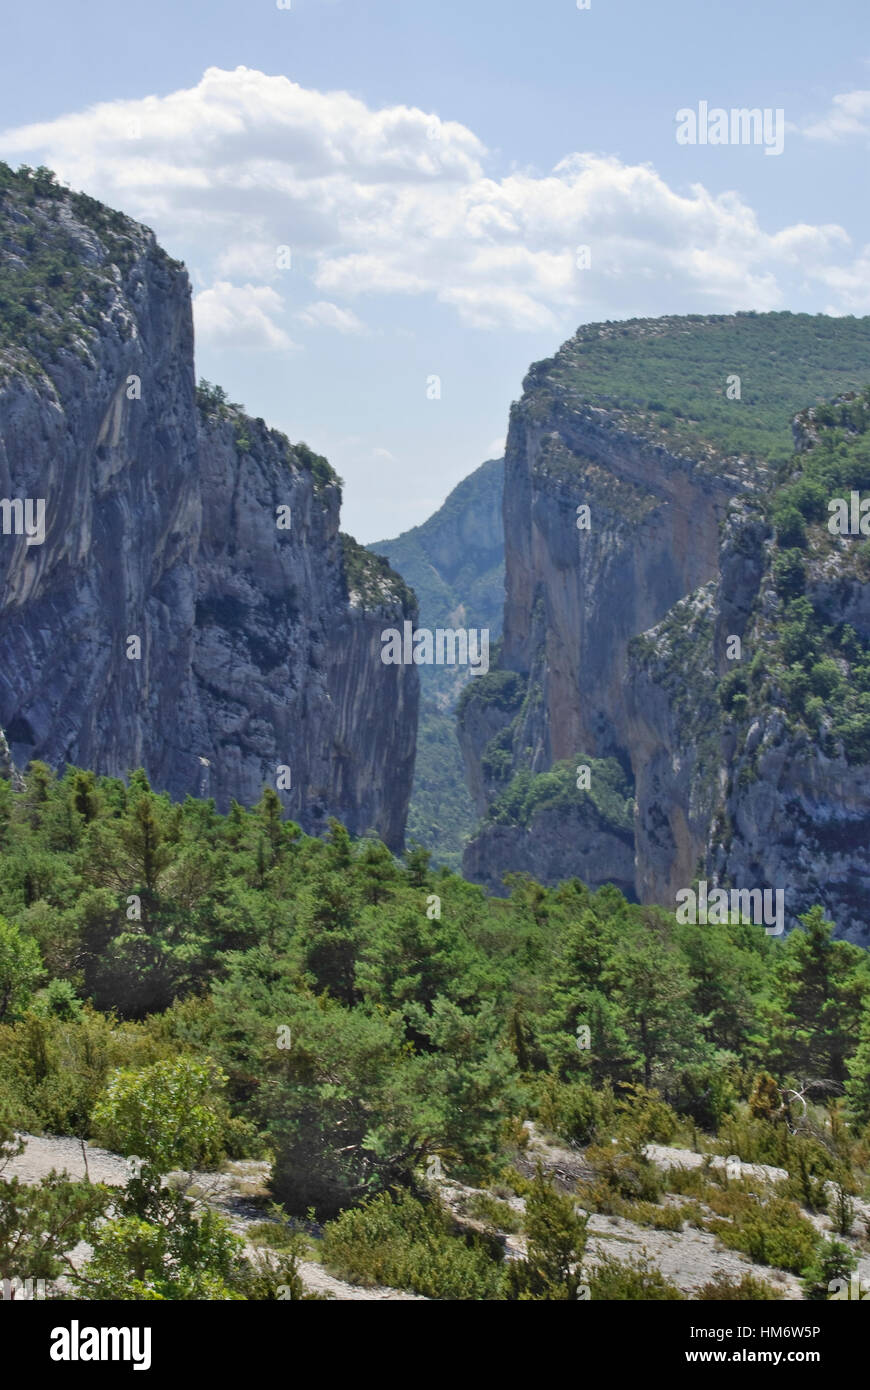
{"x": 832, "y": 1261}
{"x": 790, "y": 528}
{"x": 619, "y": 1176}
{"x": 746, "y": 1289}
{"x": 569, "y": 1109}
{"x": 399, "y": 1241}
{"x": 661, "y": 1218}
{"x": 495, "y": 1213}
{"x": 632, "y": 1282}
{"x": 555, "y": 1243}
{"x": 772, "y": 1233}
{"x": 688, "y": 1182}
{"x": 644, "y": 1118}
{"x": 789, "y": 573}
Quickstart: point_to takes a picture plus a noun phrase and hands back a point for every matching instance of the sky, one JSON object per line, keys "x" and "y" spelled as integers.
{"x": 390, "y": 208}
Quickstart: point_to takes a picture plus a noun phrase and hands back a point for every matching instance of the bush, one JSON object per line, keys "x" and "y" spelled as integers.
{"x": 832, "y": 1261}
{"x": 570, "y": 1110}
{"x": 635, "y": 1281}
{"x": 773, "y": 1233}
{"x": 790, "y": 528}
{"x": 493, "y": 1212}
{"x": 644, "y": 1118}
{"x": 555, "y": 1243}
{"x": 619, "y": 1177}
{"x": 661, "y": 1218}
{"x": 746, "y": 1289}
{"x": 403, "y": 1243}
{"x": 789, "y": 573}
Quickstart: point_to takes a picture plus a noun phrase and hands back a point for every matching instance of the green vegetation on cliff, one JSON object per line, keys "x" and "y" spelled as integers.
{"x": 528, "y": 793}
{"x": 667, "y": 378}
{"x": 56, "y": 291}
{"x": 808, "y": 659}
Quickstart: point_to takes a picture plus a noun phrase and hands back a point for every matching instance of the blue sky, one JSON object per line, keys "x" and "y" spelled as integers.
{"x": 433, "y": 168}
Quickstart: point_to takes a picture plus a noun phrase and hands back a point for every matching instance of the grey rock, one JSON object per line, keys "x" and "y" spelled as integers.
{"x": 161, "y": 524}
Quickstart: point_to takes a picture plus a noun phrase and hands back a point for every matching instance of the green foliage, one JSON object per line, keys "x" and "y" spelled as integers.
{"x": 41, "y": 1223}
{"x": 666, "y": 378}
{"x": 53, "y": 1067}
{"x": 832, "y": 1260}
{"x": 441, "y": 813}
{"x": 168, "y": 1114}
{"x": 408, "y": 1036}
{"x": 20, "y": 968}
{"x": 401, "y": 1242}
{"x": 773, "y": 1232}
{"x": 555, "y": 1244}
{"x": 376, "y": 585}
{"x": 630, "y": 1281}
{"x": 809, "y": 663}
{"x": 747, "y": 1289}
{"x": 531, "y": 793}
{"x": 183, "y": 1256}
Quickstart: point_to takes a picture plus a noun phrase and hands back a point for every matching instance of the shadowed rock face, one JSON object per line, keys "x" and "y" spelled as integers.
{"x": 161, "y": 523}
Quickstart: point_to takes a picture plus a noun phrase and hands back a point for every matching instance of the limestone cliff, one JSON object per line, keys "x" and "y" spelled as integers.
{"x": 258, "y": 630}
{"x": 615, "y": 630}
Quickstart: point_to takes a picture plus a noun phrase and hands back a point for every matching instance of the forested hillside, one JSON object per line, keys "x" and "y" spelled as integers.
{"x": 372, "y": 1025}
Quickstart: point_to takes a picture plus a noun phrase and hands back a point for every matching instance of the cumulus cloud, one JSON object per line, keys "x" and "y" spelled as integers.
{"x": 240, "y": 316}
{"x": 326, "y": 315}
{"x": 848, "y": 116}
{"x": 397, "y": 202}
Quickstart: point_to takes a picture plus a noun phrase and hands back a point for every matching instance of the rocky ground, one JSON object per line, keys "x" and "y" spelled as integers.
{"x": 689, "y": 1258}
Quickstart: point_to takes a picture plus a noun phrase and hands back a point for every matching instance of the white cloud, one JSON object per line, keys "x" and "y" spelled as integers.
{"x": 326, "y": 315}
{"x": 371, "y": 204}
{"x": 240, "y": 316}
{"x": 849, "y": 115}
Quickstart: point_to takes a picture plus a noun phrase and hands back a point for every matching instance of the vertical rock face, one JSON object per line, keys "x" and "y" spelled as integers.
{"x": 616, "y": 636}
{"x": 258, "y": 644}
{"x": 575, "y": 597}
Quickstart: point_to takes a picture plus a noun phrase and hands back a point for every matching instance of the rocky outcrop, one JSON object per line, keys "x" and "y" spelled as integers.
{"x": 620, "y": 624}
{"x": 555, "y": 838}
{"x": 173, "y": 617}
{"x": 742, "y": 796}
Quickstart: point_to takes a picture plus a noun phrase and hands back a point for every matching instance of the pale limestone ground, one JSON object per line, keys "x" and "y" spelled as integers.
{"x": 226, "y": 1191}
{"x": 688, "y": 1258}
